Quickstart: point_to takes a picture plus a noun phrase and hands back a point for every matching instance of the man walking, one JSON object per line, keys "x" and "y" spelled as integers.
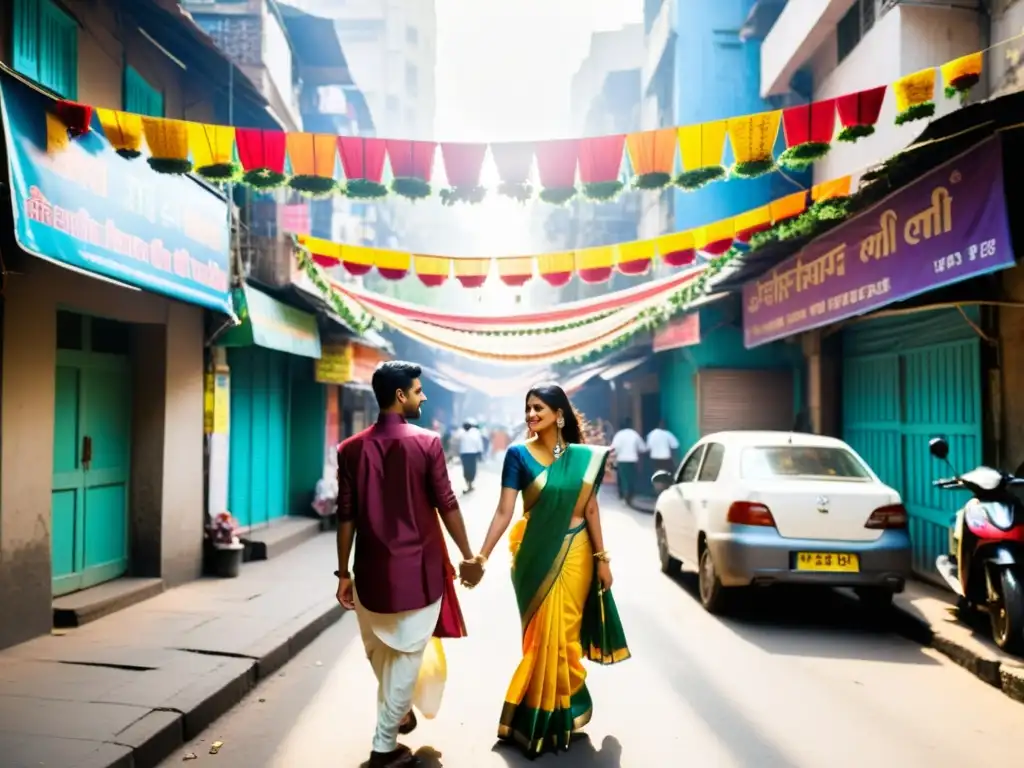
{"x": 627, "y": 445}
{"x": 392, "y": 483}
{"x": 471, "y": 449}
{"x": 663, "y": 446}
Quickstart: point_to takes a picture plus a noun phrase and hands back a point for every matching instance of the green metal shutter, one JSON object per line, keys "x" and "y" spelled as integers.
{"x": 58, "y": 50}
{"x": 25, "y": 37}
{"x": 905, "y": 380}
{"x": 140, "y": 97}
{"x": 46, "y": 46}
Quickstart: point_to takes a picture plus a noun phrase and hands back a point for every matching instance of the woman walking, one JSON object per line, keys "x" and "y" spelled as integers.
{"x": 561, "y": 573}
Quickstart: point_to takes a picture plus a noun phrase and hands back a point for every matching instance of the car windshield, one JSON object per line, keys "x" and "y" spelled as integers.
{"x": 764, "y": 463}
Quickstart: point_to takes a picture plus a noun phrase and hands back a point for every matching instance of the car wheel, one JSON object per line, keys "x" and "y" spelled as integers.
{"x": 875, "y": 599}
{"x": 712, "y": 594}
{"x": 669, "y": 565}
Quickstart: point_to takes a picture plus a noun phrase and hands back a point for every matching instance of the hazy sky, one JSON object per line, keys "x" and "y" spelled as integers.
{"x": 504, "y": 66}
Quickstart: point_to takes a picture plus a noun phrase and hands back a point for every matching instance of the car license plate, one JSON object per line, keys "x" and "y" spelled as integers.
{"x": 827, "y": 562}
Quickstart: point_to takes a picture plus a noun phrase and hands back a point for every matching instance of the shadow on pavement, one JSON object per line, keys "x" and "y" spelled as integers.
{"x": 582, "y": 754}
{"x": 822, "y": 622}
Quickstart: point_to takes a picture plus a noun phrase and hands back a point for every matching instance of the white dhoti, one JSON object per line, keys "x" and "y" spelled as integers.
{"x": 394, "y": 644}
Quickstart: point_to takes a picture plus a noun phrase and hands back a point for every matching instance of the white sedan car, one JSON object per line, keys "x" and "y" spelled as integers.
{"x": 762, "y": 508}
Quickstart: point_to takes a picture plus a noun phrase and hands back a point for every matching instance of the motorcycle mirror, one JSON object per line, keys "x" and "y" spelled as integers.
{"x": 939, "y": 448}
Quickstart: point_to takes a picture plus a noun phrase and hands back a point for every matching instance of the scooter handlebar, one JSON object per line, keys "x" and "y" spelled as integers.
{"x": 948, "y": 482}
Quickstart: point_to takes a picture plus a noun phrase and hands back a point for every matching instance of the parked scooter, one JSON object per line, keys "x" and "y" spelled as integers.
{"x": 985, "y": 566}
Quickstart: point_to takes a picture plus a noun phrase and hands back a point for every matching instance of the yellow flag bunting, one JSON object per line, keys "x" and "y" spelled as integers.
{"x": 591, "y": 265}
{"x": 691, "y": 156}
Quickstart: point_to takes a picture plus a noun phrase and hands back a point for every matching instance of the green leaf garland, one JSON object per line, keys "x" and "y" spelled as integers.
{"x": 558, "y": 195}
{"x": 602, "y": 191}
{"x": 917, "y": 112}
{"x": 364, "y": 189}
{"x": 690, "y": 181}
{"x": 221, "y": 173}
{"x": 471, "y": 195}
{"x": 170, "y": 165}
{"x": 802, "y": 156}
{"x": 852, "y": 133}
{"x": 316, "y": 187}
{"x": 520, "y": 191}
{"x": 356, "y": 319}
{"x": 264, "y": 179}
{"x": 752, "y": 169}
{"x": 650, "y": 181}
{"x": 411, "y": 188}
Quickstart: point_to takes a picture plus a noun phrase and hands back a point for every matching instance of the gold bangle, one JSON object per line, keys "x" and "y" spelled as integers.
{"x": 602, "y": 556}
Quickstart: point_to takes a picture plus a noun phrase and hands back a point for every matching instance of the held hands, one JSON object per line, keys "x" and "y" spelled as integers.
{"x": 472, "y": 571}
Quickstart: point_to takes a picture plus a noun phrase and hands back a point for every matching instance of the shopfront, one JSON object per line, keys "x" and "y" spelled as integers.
{"x": 277, "y": 408}
{"x": 910, "y": 374}
{"x": 109, "y": 269}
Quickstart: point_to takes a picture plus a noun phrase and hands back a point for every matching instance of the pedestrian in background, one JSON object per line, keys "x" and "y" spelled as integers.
{"x": 662, "y": 445}
{"x": 627, "y": 445}
{"x": 471, "y": 448}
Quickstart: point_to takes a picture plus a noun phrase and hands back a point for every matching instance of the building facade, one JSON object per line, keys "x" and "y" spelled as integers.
{"x": 101, "y": 420}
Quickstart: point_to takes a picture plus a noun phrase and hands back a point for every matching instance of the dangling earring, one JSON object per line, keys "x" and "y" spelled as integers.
{"x": 559, "y": 444}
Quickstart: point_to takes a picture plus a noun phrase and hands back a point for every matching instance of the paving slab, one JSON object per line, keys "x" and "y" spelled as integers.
{"x": 129, "y": 688}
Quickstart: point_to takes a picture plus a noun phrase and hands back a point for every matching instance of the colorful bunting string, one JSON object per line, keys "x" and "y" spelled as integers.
{"x": 696, "y": 154}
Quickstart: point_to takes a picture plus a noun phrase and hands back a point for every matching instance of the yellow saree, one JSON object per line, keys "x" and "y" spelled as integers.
{"x": 566, "y": 617}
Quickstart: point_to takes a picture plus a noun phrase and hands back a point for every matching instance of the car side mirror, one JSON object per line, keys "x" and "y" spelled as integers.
{"x": 939, "y": 448}
{"x": 661, "y": 480}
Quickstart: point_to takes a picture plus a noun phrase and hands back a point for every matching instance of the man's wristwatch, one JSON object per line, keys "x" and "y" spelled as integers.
{"x": 343, "y": 574}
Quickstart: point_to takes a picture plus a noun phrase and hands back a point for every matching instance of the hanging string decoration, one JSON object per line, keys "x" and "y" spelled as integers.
{"x": 262, "y": 155}
{"x": 514, "y": 160}
{"x": 677, "y": 249}
{"x": 635, "y": 258}
{"x": 314, "y": 159}
{"x": 168, "y": 145}
{"x": 362, "y": 161}
{"x": 753, "y": 143}
{"x": 213, "y": 152}
{"x": 601, "y": 166}
{"x": 123, "y": 130}
{"x": 556, "y": 167}
{"x": 808, "y": 130}
{"x": 702, "y": 147}
{"x": 653, "y": 156}
{"x": 961, "y": 75}
{"x": 859, "y": 113}
{"x": 412, "y": 164}
{"x": 915, "y": 96}
{"x": 58, "y": 137}
{"x": 463, "y": 164}
{"x": 77, "y": 118}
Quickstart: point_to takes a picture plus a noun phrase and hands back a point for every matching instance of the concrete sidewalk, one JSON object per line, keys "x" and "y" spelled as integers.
{"x": 928, "y": 614}
{"x": 128, "y": 689}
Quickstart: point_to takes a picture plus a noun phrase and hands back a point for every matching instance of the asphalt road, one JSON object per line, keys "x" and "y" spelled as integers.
{"x": 796, "y": 679}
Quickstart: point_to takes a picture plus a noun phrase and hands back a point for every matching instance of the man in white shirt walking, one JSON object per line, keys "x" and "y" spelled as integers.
{"x": 471, "y": 449}
{"x": 663, "y": 446}
{"x": 627, "y": 445}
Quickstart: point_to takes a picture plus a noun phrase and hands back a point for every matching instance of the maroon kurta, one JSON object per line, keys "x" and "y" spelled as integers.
{"x": 392, "y": 482}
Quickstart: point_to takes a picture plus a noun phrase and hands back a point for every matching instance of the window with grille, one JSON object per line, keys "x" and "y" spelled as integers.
{"x": 141, "y": 97}
{"x": 45, "y": 42}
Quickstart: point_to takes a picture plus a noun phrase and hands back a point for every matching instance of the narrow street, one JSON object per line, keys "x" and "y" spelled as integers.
{"x": 796, "y": 680}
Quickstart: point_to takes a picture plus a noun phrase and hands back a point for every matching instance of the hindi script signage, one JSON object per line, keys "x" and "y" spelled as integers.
{"x": 79, "y": 203}
{"x": 948, "y": 226}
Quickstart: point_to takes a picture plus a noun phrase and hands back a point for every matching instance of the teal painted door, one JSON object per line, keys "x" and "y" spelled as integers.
{"x": 258, "y": 467}
{"x": 91, "y": 453}
{"x": 904, "y": 382}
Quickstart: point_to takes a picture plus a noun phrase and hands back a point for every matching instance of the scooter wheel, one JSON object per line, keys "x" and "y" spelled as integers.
{"x": 1007, "y": 615}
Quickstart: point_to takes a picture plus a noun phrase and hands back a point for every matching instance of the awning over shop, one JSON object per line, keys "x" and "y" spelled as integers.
{"x": 581, "y": 377}
{"x": 268, "y": 323}
{"x": 614, "y": 371}
{"x": 170, "y": 236}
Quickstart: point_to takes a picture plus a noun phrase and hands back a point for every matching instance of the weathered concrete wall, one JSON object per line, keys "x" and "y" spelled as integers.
{"x": 1011, "y": 350}
{"x": 167, "y": 452}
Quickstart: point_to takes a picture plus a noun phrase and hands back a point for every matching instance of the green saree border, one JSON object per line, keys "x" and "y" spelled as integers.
{"x": 537, "y": 730}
